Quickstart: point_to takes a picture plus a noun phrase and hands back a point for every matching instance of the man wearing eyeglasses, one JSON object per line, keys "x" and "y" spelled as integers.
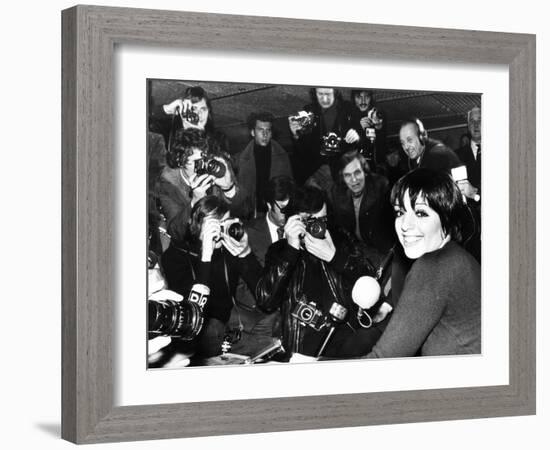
{"x": 309, "y": 275}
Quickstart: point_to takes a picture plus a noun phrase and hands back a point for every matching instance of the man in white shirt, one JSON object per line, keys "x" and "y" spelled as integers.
{"x": 262, "y": 232}
{"x": 470, "y": 155}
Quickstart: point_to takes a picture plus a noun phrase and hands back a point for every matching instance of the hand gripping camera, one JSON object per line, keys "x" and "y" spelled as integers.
{"x": 316, "y": 226}
{"x": 306, "y": 120}
{"x": 375, "y": 117}
{"x": 330, "y": 144}
{"x": 210, "y": 166}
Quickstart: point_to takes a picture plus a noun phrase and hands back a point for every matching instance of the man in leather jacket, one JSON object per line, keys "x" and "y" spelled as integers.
{"x": 310, "y": 279}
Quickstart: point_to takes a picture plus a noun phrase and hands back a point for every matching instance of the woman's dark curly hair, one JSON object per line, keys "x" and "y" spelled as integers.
{"x": 440, "y": 192}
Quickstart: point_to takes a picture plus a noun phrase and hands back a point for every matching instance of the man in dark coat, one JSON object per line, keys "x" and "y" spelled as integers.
{"x": 470, "y": 155}
{"x": 316, "y": 148}
{"x": 309, "y": 275}
{"x": 360, "y": 203}
{"x": 262, "y": 159}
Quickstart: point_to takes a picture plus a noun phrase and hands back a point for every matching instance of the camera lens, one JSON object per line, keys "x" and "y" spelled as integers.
{"x": 215, "y": 168}
{"x": 306, "y": 314}
{"x": 236, "y": 231}
{"x": 182, "y": 320}
{"x": 191, "y": 117}
{"x": 316, "y": 228}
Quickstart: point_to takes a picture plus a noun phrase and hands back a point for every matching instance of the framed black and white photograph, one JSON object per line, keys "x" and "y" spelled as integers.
{"x": 298, "y": 217}
{"x": 247, "y": 160}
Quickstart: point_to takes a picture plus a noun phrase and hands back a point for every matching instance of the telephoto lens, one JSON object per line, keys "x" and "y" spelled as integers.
{"x": 182, "y": 320}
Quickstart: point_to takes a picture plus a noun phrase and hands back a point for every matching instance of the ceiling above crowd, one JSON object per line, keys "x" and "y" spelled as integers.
{"x": 441, "y": 112}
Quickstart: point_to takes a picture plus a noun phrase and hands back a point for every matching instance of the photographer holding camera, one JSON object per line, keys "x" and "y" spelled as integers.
{"x": 213, "y": 251}
{"x": 368, "y": 120}
{"x": 310, "y": 276}
{"x": 192, "y": 110}
{"x": 316, "y": 141}
{"x": 196, "y": 167}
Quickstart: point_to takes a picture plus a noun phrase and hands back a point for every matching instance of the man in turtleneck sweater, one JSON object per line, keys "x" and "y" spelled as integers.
{"x": 262, "y": 159}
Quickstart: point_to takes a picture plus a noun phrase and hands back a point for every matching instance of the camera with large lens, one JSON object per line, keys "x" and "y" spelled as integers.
{"x": 306, "y": 120}
{"x": 233, "y": 228}
{"x": 210, "y": 166}
{"x": 182, "y": 320}
{"x": 316, "y": 226}
{"x": 308, "y": 314}
{"x": 330, "y": 144}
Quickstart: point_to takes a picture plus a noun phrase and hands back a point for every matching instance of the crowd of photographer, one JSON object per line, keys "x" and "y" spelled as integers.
{"x": 313, "y": 251}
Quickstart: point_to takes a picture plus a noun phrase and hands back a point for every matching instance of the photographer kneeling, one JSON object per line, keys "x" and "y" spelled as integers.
{"x": 310, "y": 276}
{"x": 212, "y": 250}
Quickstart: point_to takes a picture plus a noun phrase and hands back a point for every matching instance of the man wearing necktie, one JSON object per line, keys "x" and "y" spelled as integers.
{"x": 262, "y": 232}
{"x": 470, "y": 155}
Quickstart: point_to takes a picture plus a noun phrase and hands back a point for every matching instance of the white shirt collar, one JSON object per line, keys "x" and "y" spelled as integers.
{"x": 474, "y": 146}
{"x": 272, "y": 229}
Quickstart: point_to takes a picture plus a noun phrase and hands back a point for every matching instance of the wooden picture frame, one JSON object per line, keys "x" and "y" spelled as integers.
{"x": 90, "y": 34}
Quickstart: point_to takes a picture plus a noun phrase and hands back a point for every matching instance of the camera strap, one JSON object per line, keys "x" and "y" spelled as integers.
{"x": 226, "y": 275}
{"x": 236, "y": 332}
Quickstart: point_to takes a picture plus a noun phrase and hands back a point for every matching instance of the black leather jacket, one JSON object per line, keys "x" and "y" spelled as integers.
{"x": 282, "y": 286}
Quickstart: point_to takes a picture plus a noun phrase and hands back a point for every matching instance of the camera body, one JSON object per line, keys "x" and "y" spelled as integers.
{"x": 330, "y": 144}
{"x": 190, "y": 116}
{"x": 233, "y": 227}
{"x": 375, "y": 116}
{"x": 209, "y": 165}
{"x": 182, "y": 320}
{"x": 309, "y": 315}
{"x": 305, "y": 119}
{"x": 316, "y": 226}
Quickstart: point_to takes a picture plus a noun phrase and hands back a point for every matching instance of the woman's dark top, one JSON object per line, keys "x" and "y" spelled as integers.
{"x": 439, "y": 309}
